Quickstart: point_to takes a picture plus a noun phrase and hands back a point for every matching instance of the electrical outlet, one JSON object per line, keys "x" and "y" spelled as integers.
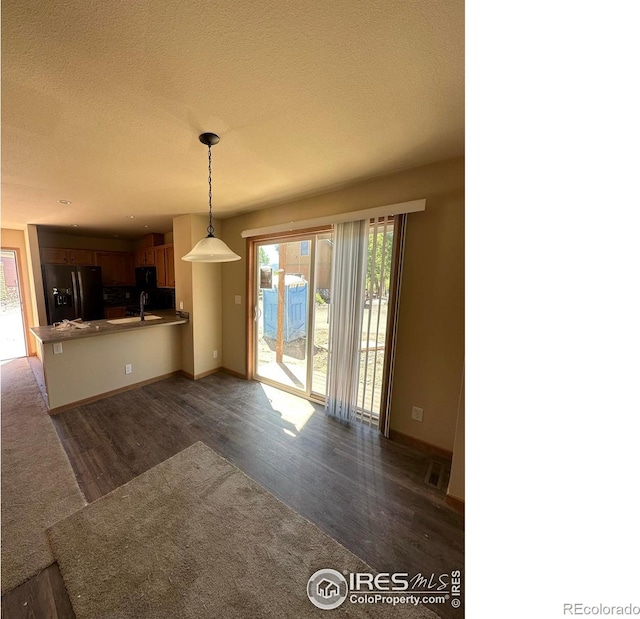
{"x": 238, "y": 299}
{"x": 57, "y": 348}
{"x": 215, "y": 354}
{"x": 181, "y": 304}
{"x": 128, "y": 369}
{"x": 416, "y": 413}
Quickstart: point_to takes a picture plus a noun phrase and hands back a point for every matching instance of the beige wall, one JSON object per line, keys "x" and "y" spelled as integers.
{"x": 234, "y": 282}
{"x": 184, "y": 285}
{"x": 198, "y": 287}
{"x": 430, "y": 345}
{"x": 49, "y": 238}
{"x": 16, "y": 239}
{"x": 431, "y": 321}
{"x": 37, "y": 289}
{"x": 95, "y": 365}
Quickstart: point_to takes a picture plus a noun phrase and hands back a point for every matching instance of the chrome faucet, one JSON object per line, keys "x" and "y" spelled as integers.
{"x": 144, "y": 298}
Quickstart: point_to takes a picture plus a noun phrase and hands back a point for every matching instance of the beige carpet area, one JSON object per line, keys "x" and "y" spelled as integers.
{"x": 195, "y": 537}
{"x": 38, "y": 484}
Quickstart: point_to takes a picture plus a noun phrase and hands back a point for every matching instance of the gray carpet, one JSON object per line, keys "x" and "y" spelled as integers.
{"x": 195, "y": 537}
{"x": 38, "y": 484}
{"x": 38, "y": 373}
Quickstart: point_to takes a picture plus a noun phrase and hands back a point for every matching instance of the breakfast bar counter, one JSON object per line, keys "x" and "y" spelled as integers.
{"x": 161, "y": 318}
{"x": 108, "y": 356}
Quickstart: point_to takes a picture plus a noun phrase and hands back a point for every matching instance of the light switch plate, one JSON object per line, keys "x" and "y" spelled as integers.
{"x": 57, "y": 348}
{"x": 238, "y": 299}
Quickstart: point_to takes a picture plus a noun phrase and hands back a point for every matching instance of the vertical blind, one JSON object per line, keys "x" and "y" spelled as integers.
{"x": 364, "y": 296}
{"x": 347, "y": 300}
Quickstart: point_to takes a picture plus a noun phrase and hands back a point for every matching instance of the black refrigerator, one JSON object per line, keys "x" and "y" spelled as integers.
{"x": 72, "y": 292}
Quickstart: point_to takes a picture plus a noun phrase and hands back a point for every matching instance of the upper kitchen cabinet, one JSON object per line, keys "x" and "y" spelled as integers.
{"x": 165, "y": 271}
{"x": 145, "y": 257}
{"x": 56, "y": 255}
{"x": 117, "y": 268}
{"x": 171, "y": 272}
{"x": 153, "y": 239}
{"x": 159, "y": 261}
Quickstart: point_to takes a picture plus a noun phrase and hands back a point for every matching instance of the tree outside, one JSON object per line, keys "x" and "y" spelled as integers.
{"x": 263, "y": 257}
{"x": 380, "y": 284}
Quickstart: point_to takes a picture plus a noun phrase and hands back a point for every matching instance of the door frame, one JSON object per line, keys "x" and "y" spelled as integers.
{"x": 252, "y": 244}
{"x": 23, "y": 307}
{"x": 399, "y": 232}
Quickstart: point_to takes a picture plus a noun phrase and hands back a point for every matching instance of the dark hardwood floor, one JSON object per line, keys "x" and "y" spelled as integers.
{"x": 42, "y": 596}
{"x": 365, "y": 491}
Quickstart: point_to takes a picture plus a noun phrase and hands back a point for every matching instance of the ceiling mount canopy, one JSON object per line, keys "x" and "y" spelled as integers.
{"x": 209, "y": 139}
{"x": 210, "y": 249}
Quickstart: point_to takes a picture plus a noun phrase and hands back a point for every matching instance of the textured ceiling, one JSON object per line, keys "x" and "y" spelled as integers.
{"x": 103, "y": 102}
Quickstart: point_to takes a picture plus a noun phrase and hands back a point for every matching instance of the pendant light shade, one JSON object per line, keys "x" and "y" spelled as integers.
{"x": 210, "y": 249}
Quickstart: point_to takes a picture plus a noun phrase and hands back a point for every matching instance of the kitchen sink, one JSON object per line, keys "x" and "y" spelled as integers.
{"x": 124, "y": 321}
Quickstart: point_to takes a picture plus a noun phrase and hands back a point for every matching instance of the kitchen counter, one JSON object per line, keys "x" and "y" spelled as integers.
{"x": 82, "y": 365}
{"x": 49, "y": 334}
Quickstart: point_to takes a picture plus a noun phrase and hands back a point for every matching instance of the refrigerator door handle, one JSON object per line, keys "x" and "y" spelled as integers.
{"x": 77, "y": 293}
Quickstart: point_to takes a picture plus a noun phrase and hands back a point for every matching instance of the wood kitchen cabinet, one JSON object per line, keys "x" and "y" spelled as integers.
{"x": 145, "y": 257}
{"x": 117, "y": 268}
{"x": 165, "y": 270}
{"x": 81, "y": 257}
{"x": 51, "y": 255}
{"x": 114, "y": 312}
{"x": 170, "y": 267}
{"x": 124, "y": 269}
{"x": 161, "y": 271}
{"x": 153, "y": 239}
{"x": 58, "y": 255}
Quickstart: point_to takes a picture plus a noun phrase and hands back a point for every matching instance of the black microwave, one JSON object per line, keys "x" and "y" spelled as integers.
{"x": 146, "y": 278}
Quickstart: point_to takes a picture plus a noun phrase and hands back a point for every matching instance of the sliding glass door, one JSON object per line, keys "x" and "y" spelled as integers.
{"x": 321, "y": 312}
{"x": 291, "y": 311}
{"x": 282, "y": 312}
{"x": 375, "y": 319}
{"x": 292, "y": 315}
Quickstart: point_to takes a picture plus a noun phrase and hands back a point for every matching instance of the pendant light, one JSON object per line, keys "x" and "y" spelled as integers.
{"x": 210, "y": 249}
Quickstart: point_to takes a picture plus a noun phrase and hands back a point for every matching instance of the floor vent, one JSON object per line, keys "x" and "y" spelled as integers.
{"x": 437, "y": 474}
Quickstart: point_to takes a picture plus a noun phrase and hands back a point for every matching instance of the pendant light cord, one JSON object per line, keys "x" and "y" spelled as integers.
{"x": 210, "y": 227}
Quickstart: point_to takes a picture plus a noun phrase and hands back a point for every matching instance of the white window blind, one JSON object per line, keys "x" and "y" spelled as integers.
{"x": 412, "y": 206}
